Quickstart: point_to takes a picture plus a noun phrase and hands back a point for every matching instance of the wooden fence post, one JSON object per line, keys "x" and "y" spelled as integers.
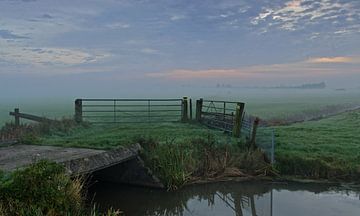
{"x": 185, "y": 110}
{"x": 238, "y": 119}
{"x": 17, "y": 118}
{"x": 237, "y": 122}
{"x": 253, "y": 133}
{"x": 190, "y": 109}
{"x": 242, "y": 112}
{"x": 199, "y": 104}
{"x": 78, "y": 111}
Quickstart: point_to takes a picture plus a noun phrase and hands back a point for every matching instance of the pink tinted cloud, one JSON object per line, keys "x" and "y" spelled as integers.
{"x": 337, "y": 59}
{"x": 310, "y": 68}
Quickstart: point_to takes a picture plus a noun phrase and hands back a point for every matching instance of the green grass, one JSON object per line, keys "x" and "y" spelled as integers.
{"x": 326, "y": 148}
{"x": 107, "y": 136}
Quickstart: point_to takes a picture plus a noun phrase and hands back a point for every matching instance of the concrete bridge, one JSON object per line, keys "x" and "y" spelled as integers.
{"x": 121, "y": 165}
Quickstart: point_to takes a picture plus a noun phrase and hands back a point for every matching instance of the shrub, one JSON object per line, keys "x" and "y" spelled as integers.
{"x": 41, "y": 189}
{"x": 44, "y": 189}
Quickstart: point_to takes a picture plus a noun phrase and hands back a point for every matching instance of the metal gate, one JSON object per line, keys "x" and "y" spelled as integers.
{"x": 222, "y": 115}
{"x": 129, "y": 110}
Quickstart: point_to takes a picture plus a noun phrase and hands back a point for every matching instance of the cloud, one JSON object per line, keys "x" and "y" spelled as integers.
{"x": 118, "y": 25}
{"x": 306, "y": 68}
{"x": 339, "y": 59}
{"x": 177, "y": 17}
{"x": 47, "y": 16}
{"x": 150, "y": 51}
{"x": 297, "y": 14}
{"x": 48, "y": 56}
{"x": 5, "y": 34}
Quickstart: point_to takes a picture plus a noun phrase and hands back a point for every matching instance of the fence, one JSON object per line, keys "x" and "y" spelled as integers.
{"x": 17, "y": 115}
{"x": 222, "y": 115}
{"x": 263, "y": 137}
{"x": 247, "y": 126}
{"x": 131, "y": 110}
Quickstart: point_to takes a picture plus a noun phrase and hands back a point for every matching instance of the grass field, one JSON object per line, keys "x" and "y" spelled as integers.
{"x": 326, "y": 148}
{"x": 111, "y": 136}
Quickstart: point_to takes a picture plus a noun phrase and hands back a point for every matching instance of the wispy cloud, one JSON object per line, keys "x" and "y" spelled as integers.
{"x": 150, "y": 51}
{"x": 338, "y": 59}
{"x": 47, "y": 16}
{"x": 6, "y": 34}
{"x": 297, "y": 14}
{"x": 177, "y": 17}
{"x": 118, "y": 25}
{"x": 311, "y": 67}
{"x": 48, "y": 56}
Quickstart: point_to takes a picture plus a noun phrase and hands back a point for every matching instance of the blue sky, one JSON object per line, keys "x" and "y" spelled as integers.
{"x": 269, "y": 42}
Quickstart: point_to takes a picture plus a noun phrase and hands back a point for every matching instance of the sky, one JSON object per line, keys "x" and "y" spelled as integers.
{"x": 68, "y": 47}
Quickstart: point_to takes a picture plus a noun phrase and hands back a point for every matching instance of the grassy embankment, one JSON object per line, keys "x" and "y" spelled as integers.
{"x": 328, "y": 148}
{"x": 44, "y": 189}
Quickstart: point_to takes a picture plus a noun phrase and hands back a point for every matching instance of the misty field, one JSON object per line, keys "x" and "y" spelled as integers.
{"x": 264, "y": 103}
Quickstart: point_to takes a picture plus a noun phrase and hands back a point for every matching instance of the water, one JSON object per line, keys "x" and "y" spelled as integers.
{"x": 248, "y": 198}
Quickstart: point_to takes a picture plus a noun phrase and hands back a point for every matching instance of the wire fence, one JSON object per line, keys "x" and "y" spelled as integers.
{"x": 264, "y": 139}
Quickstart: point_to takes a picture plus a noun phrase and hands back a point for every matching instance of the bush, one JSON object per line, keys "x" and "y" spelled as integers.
{"x": 44, "y": 189}
{"x": 41, "y": 189}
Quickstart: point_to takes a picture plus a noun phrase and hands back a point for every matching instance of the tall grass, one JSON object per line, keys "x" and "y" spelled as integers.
{"x": 178, "y": 163}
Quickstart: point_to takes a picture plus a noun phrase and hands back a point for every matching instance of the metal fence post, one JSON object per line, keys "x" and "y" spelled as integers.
{"x": 78, "y": 111}
{"x": 149, "y": 114}
{"x": 185, "y": 109}
{"x": 199, "y": 104}
{"x": 273, "y": 146}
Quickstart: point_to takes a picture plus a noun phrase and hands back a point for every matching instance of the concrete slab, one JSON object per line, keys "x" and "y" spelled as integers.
{"x": 122, "y": 165}
{"x": 16, "y": 156}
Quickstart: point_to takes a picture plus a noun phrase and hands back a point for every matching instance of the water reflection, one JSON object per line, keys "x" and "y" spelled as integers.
{"x": 230, "y": 199}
